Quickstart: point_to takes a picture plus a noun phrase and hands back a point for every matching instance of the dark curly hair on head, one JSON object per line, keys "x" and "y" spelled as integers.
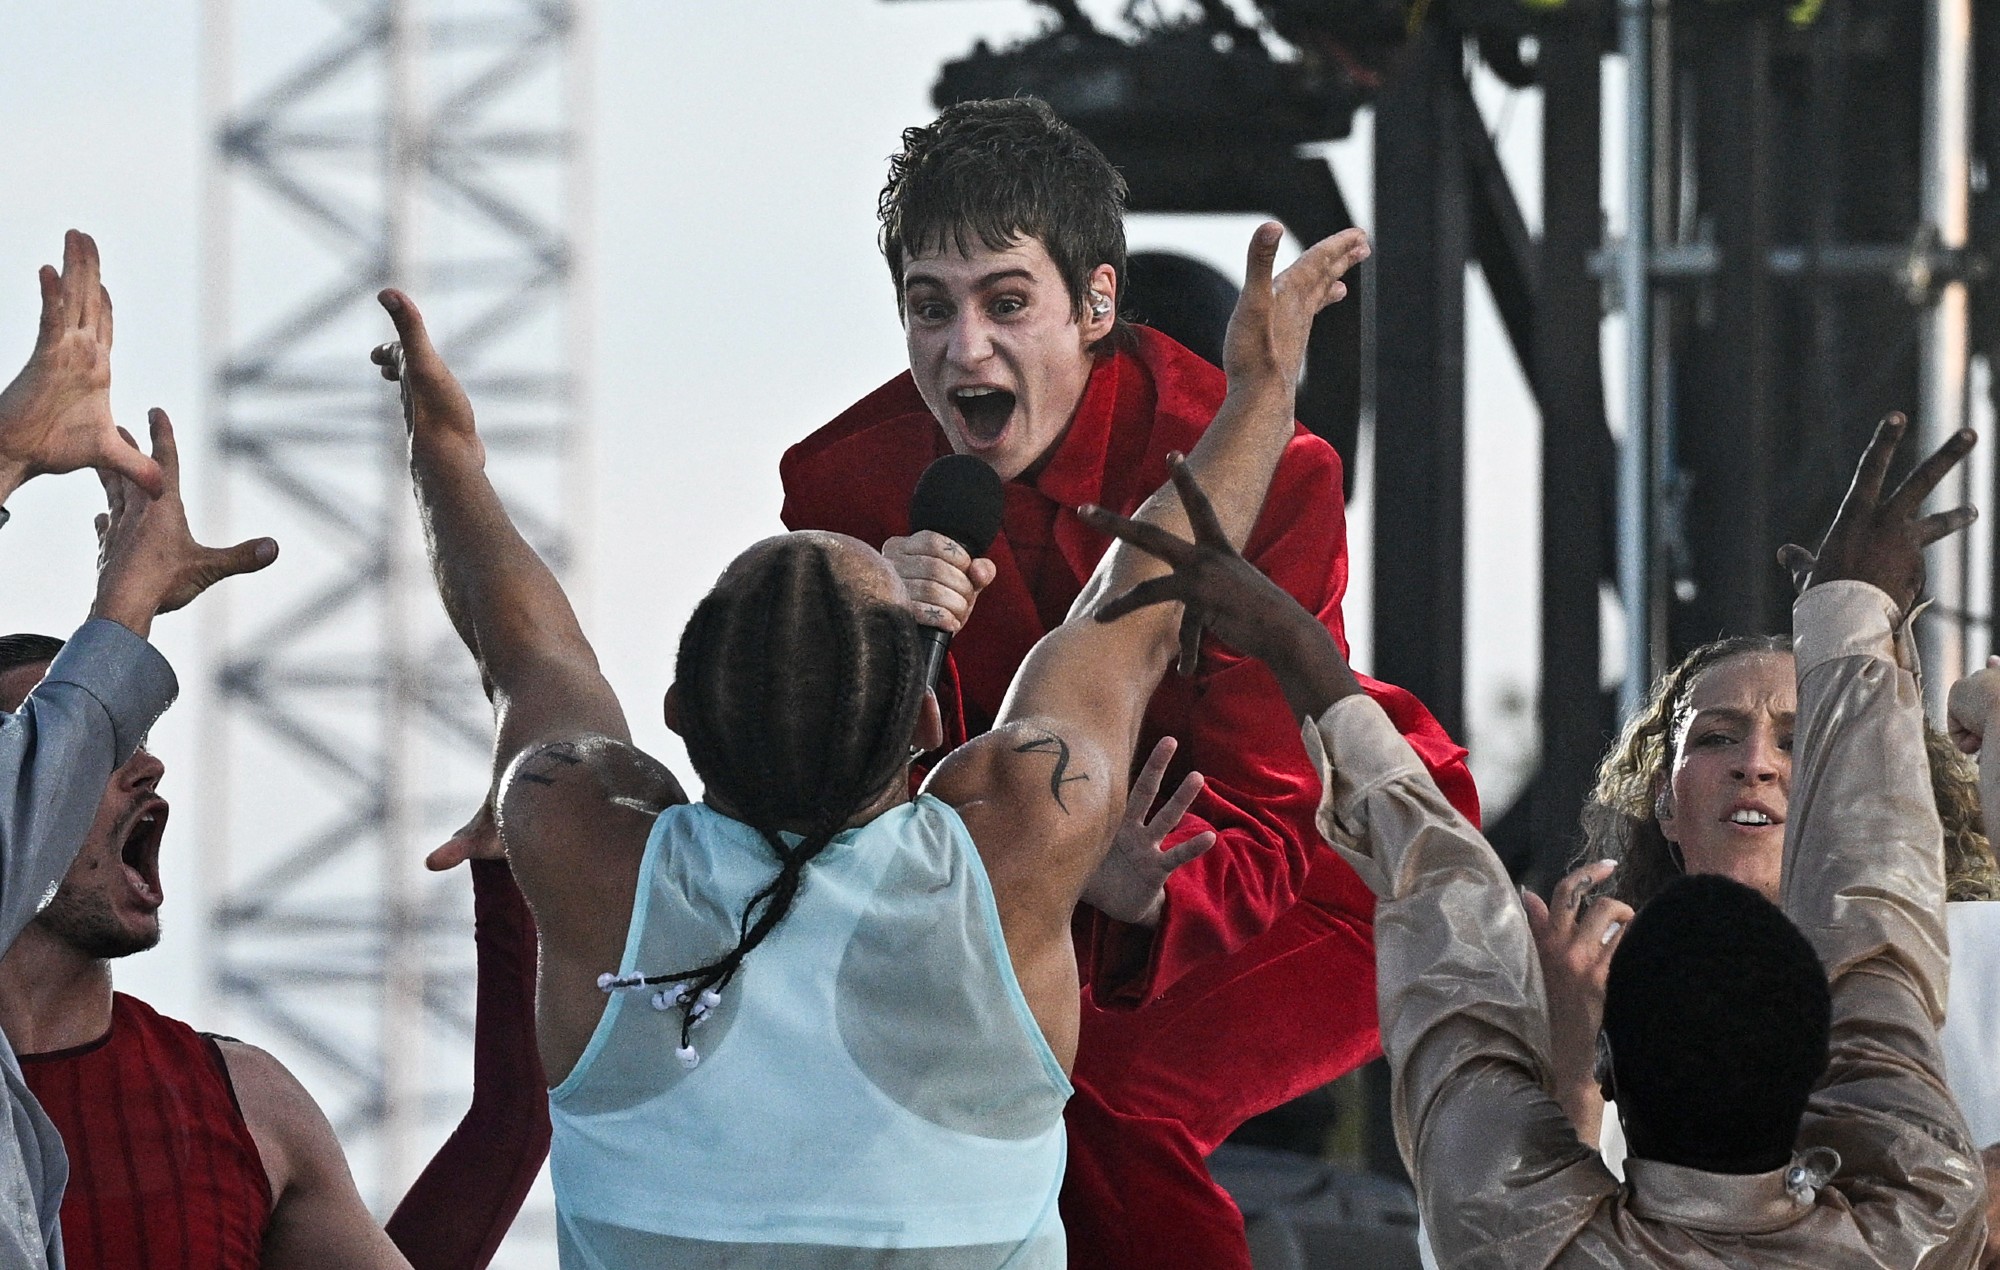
{"x": 797, "y": 700}
{"x": 1719, "y": 1021}
{"x": 999, "y": 171}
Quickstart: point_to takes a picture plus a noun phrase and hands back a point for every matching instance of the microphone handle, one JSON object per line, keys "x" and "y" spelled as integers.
{"x": 933, "y": 641}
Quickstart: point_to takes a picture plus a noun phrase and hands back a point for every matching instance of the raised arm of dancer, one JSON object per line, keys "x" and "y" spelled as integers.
{"x": 571, "y": 791}
{"x": 1043, "y": 792}
{"x": 458, "y": 1210}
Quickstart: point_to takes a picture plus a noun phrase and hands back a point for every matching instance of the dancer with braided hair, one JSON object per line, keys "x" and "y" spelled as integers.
{"x": 863, "y": 1006}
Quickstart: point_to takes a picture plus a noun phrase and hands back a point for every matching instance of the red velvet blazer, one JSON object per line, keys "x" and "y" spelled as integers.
{"x": 854, "y": 476}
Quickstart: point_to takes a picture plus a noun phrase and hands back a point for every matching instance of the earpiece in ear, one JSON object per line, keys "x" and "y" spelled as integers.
{"x": 1100, "y": 304}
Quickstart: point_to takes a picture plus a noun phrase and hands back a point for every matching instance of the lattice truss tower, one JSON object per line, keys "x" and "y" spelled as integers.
{"x": 435, "y": 146}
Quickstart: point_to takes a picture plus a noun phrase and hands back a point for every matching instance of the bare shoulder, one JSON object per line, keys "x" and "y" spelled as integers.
{"x": 575, "y": 813}
{"x": 607, "y": 781}
{"x": 575, "y": 816}
{"x": 1031, "y": 790}
{"x": 317, "y": 1219}
{"x": 292, "y": 1133}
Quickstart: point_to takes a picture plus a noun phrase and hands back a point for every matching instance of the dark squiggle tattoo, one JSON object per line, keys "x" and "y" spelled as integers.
{"x": 561, "y": 752}
{"x": 1049, "y": 743}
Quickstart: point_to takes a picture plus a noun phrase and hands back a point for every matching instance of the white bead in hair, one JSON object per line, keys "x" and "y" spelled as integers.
{"x": 690, "y": 1059}
{"x": 662, "y": 1001}
{"x": 608, "y": 982}
{"x": 710, "y": 998}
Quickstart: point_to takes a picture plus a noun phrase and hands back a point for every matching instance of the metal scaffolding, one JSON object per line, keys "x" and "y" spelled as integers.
{"x": 436, "y": 147}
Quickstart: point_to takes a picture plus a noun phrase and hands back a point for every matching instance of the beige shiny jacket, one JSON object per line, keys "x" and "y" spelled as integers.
{"x": 1885, "y": 1175}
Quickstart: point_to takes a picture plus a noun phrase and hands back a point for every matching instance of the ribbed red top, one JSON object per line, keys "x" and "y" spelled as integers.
{"x": 163, "y": 1171}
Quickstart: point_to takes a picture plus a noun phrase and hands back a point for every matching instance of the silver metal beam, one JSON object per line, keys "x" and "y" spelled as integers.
{"x": 357, "y": 146}
{"x": 1635, "y": 450}
{"x": 1943, "y": 633}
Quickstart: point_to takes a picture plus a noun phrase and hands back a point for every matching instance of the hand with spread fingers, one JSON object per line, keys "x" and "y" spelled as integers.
{"x": 1273, "y": 318}
{"x": 1576, "y": 931}
{"x": 1879, "y": 540}
{"x": 56, "y": 415}
{"x": 1226, "y": 595}
{"x": 1131, "y": 884}
{"x": 148, "y": 562}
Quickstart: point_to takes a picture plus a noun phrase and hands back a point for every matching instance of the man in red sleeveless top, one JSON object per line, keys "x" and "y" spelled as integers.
{"x": 188, "y": 1150}
{"x": 1219, "y": 981}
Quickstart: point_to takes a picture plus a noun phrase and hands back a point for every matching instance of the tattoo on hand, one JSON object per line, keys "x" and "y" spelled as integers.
{"x": 1049, "y": 743}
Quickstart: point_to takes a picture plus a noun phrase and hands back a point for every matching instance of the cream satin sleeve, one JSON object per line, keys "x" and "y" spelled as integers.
{"x": 1501, "y": 1179}
{"x": 1864, "y": 879}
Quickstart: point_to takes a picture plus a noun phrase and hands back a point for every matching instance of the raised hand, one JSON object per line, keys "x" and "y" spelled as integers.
{"x": 56, "y": 415}
{"x": 148, "y": 562}
{"x": 1131, "y": 884}
{"x": 435, "y": 407}
{"x": 1575, "y": 935}
{"x": 1881, "y": 541}
{"x": 1266, "y": 342}
{"x": 1225, "y": 594}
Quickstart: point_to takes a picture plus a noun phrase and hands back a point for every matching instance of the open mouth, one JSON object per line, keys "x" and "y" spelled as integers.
{"x": 141, "y": 853}
{"x": 983, "y": 411}
{"x": 1751, "y": 819}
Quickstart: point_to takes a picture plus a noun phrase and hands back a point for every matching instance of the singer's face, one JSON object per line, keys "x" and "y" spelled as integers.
{"x": 997, "y": 349}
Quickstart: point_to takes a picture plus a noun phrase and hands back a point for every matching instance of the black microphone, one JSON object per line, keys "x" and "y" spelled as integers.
{"x": 959, "y": 497}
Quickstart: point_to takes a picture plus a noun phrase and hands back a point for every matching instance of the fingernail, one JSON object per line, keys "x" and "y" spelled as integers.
{"x": 1611, "y": 932}
{"x": 267, "y": 551}
{"x": 1607, "y": 863}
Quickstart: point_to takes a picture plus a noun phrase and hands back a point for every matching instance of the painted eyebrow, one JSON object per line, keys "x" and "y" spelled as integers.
{"x": 990, "y": 280}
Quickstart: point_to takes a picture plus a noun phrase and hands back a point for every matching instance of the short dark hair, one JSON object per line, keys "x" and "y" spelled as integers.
{"x": 17, "y": 651}
{"x": 27, "y": 650}
{"x": 1718, "y": 1017}
{"x": 999, "y": 171}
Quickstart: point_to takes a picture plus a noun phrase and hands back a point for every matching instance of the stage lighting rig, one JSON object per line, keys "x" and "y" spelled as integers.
{"x": 1200, "y": 79}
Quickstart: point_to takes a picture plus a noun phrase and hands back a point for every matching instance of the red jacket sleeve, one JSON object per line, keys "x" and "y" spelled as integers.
{"x": 459, "y": 1208}
{"x": 1261, "y": 792}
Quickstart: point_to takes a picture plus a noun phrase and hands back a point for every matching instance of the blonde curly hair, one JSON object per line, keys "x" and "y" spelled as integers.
{"x": 1620, "y": 821}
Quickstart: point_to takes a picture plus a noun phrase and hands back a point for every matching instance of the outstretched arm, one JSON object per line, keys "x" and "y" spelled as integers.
{"x": 502, "y": 598}
{"x": 1464, "y": 1022}
{"x": 1864, "y": 873}
{"x": 459, "y": 1209}
{"x": 566, "y": 777}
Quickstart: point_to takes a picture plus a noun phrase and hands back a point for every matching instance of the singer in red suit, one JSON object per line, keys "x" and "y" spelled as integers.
{"x": 1227, "y": 955}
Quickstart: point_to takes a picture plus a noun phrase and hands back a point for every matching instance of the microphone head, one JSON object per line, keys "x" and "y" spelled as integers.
{"x": 959, "y": 497}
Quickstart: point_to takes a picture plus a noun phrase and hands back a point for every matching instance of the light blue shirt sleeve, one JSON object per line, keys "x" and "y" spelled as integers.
{"x": 102, "y": 694}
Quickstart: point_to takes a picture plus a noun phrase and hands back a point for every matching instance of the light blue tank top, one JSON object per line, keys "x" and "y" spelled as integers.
{"x": 872, "y": 1090}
